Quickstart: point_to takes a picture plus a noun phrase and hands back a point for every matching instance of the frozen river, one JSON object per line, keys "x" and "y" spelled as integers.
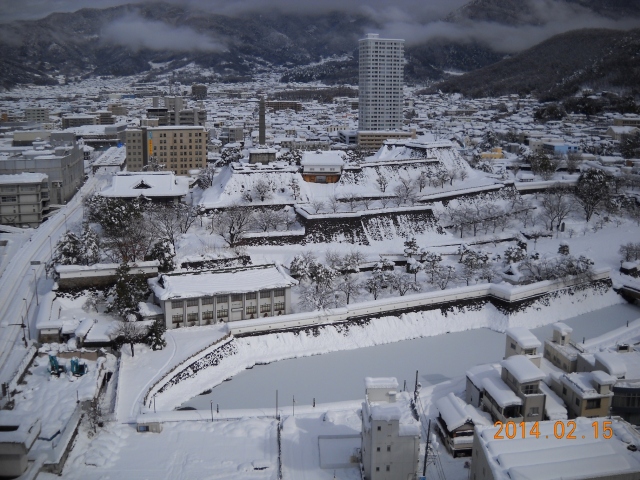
{"x": 338, "y": 376}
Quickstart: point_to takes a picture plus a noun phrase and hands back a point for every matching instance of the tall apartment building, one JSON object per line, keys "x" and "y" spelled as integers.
{"x": 36, "y": 114}
{"x": 179, "y": 148}
{"x": 381, "y": 83}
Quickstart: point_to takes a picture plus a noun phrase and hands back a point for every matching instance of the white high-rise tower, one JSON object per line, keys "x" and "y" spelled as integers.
{"x": 381, "y": 82}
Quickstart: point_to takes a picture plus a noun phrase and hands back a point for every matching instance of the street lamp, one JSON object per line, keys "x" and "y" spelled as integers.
{"x": 35, "y": 277}
{"x": 24, "y": 339}
{"x": 27, "y": 322}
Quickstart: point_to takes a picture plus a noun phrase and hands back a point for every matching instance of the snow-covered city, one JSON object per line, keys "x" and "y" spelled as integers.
{"x": 262, "y": 272}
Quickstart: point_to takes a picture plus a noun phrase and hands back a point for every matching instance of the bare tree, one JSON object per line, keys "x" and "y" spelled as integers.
{"x": 452, "y": 174}
{"x": 405, "y": 191}
{"x": 445, "y": 275}
{"x": 317, "y": 205}
{"x": 385, "y": 201}
{"x": 556, "y": 205}
{"x": 423, "y": 180}
{"x": 129, "y": 332}
{"x": 403, "y": 283}
{"x": 333, "y": 259}
{"x": 264, "y": 189}
{"x": 164, "y": 222}
{"x": 375, "y": 284}
{"x": 352, "y": 199}
{"x": 333, "y": 203}
{"x": 349, "y": 286}
{"x": 267, "y": 219}
{"x": 366, "y": 202}
{"x": 463, "y": 174}
{"x": 382, "y": 182}
{"x": 295, "y": 188}
{"x": 232, "y": 223}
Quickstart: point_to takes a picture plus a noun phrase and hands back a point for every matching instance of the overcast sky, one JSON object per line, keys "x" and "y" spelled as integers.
{"x": 414, "y": 20}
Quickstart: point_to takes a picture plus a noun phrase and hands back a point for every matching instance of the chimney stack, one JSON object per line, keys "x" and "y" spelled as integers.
{"x": 261, "y": 124}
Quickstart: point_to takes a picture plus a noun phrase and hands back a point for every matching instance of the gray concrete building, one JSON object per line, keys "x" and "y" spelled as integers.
{"x": 36, "y": 114}
{"x": 63, "y": 163}
{"x": 24, "y": 199}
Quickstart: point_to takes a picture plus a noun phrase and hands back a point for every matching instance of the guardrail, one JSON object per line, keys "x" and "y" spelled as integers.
{"x": 179, "y": 367}
{"x": 13, "y": 383}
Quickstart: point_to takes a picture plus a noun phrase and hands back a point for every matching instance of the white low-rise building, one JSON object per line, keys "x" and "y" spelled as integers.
{"x": 223, "y": 296}
{"x": 157, "y": 186}
{"x": 597, "y": 448}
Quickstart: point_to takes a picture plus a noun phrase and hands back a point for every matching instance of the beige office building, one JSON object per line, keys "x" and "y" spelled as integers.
{"x": 178, "y": 149}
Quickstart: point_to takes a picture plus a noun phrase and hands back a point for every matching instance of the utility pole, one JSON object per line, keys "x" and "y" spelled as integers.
{"x": 35, "y": 278}
{"x": 426, "y": 451}
{"x": 277, "y": 405}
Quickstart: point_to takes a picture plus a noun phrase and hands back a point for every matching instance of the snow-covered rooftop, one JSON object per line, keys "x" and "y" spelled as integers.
{"x": 524, "y": 337}
{"x": 613, "y": 362}
{"x": 478, "y": 373}
{"x": 500, "y": 392}
{"x": 18, "y": 429}
{"x": 549, "y": 458}
{"x": 563, "y": 328}
{"x": 523, "y": 369}
{"x": 332, "y": 158}
{"x": 23, "y": 178}
{"x": 148, "y": 184}
{"x": 380, "y": 382}
{"x": 455, "y": 412}
{"x": 242, "y": 280}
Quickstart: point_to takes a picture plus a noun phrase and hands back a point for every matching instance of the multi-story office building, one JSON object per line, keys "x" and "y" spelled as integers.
{"x": 36, "y": 114}
{"x": 77, "y": 120}
{"x": 178, "y": 149}
{"x": 381, "y": 83}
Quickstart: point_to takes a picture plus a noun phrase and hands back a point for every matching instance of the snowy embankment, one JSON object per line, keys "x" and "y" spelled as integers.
{"x": 278, "y": 346}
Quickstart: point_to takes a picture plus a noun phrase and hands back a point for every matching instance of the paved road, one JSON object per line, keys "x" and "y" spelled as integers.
{"x": 17, "y": 284}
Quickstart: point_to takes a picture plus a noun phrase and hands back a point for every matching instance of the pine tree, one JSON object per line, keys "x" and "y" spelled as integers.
{"x": 68, "y": 252}
{"x": 411, "y": 247}
{"x": 155, "y": 335}
{"x": 164, "y": 252}
{"x": 128, "y": 291}
{"x": 89, "y": 246}
{"x": 593, "y": 191}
